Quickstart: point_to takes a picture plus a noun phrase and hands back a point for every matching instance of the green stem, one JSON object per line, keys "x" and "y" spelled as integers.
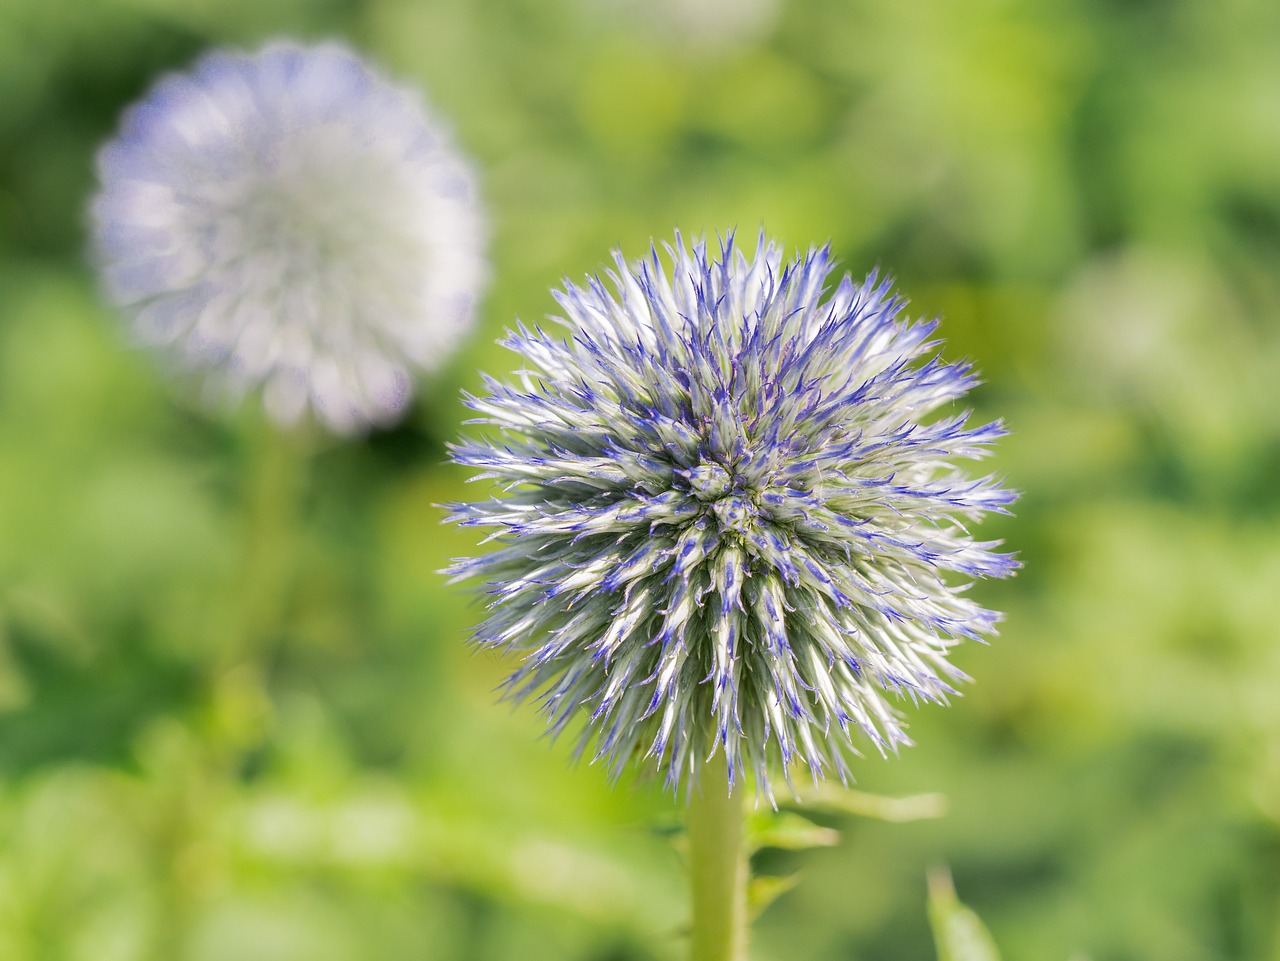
{"x": 277, "y": 475}
{"x": 718, "y": 867}
{"x": 234, "y": 720}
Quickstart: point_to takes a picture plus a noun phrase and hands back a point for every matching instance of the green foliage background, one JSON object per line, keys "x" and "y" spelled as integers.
{"x": 238, "y": 718}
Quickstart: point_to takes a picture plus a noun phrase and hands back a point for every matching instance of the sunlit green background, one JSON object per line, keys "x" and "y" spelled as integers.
{"x": 238, "y": 717}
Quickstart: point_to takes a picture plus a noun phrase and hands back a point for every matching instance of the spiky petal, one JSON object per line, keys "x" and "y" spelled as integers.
{"x": 731, "y": 517}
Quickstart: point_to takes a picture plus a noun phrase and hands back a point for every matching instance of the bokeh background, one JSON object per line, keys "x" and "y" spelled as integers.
{"x": 238, "y": 717}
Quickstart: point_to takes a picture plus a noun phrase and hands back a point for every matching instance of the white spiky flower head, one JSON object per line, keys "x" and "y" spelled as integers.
{"x": 705, "y": 25}
{"x": 290, "y": 219}
{"x": 733, "y": 517}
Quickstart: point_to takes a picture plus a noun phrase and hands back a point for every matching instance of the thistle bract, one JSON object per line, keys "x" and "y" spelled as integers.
{"x": 291, "y": 220}
{"x": 731, "y": 517}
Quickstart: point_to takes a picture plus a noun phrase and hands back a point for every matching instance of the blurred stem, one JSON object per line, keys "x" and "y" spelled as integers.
{"x": 277, "y": 477}
{"x": 718, "y": 867}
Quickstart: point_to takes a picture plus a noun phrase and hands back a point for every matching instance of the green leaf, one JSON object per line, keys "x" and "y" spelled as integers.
{"x": 788, "y": 832}
{"x": 958, "y": 933}
{"x": 765, "y": 889}
{"x": 839, "y": 799}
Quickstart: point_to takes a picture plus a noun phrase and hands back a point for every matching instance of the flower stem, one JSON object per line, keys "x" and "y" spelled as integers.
{"x": 718, "y": 867}
{"x": 277, "y": 474}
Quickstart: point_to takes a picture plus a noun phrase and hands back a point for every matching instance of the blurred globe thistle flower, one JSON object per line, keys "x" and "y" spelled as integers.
{"x": 702, "y": 25}
{"x": 730, "y": 522}
{"x": 290, "y": 219}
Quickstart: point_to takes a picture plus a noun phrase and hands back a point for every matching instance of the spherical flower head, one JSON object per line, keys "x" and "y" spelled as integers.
{"x": 290, "y": 219}
{"x": 706, "y": 25}
{"x": 731, "y": 516}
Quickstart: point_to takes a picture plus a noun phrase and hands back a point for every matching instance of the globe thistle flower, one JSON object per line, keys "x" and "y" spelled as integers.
{"x": 290, "y": 219}
{"x": 732, "y": 518}
{"x": 705, "y": 24}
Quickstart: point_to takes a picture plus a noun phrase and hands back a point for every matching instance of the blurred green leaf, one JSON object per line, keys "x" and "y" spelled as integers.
{"x": 836, "y": 798}
{"x": 958, "y": 933}
{"x": 788, "y": 831}
{"x": 763, "y": 890}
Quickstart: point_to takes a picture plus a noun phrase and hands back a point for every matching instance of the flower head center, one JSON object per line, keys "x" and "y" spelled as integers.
{"x": 735, "y": 512}
{"x": 709, "y": 480}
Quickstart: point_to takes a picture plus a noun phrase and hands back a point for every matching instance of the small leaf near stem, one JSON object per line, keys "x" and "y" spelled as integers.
{"x": 763, "y": 891}
{"x": 787, "y": 831}
{"x": 838, "y": 799}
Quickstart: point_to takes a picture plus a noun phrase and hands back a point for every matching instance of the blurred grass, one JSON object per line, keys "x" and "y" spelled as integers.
{"x": 1089, "y": 193}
